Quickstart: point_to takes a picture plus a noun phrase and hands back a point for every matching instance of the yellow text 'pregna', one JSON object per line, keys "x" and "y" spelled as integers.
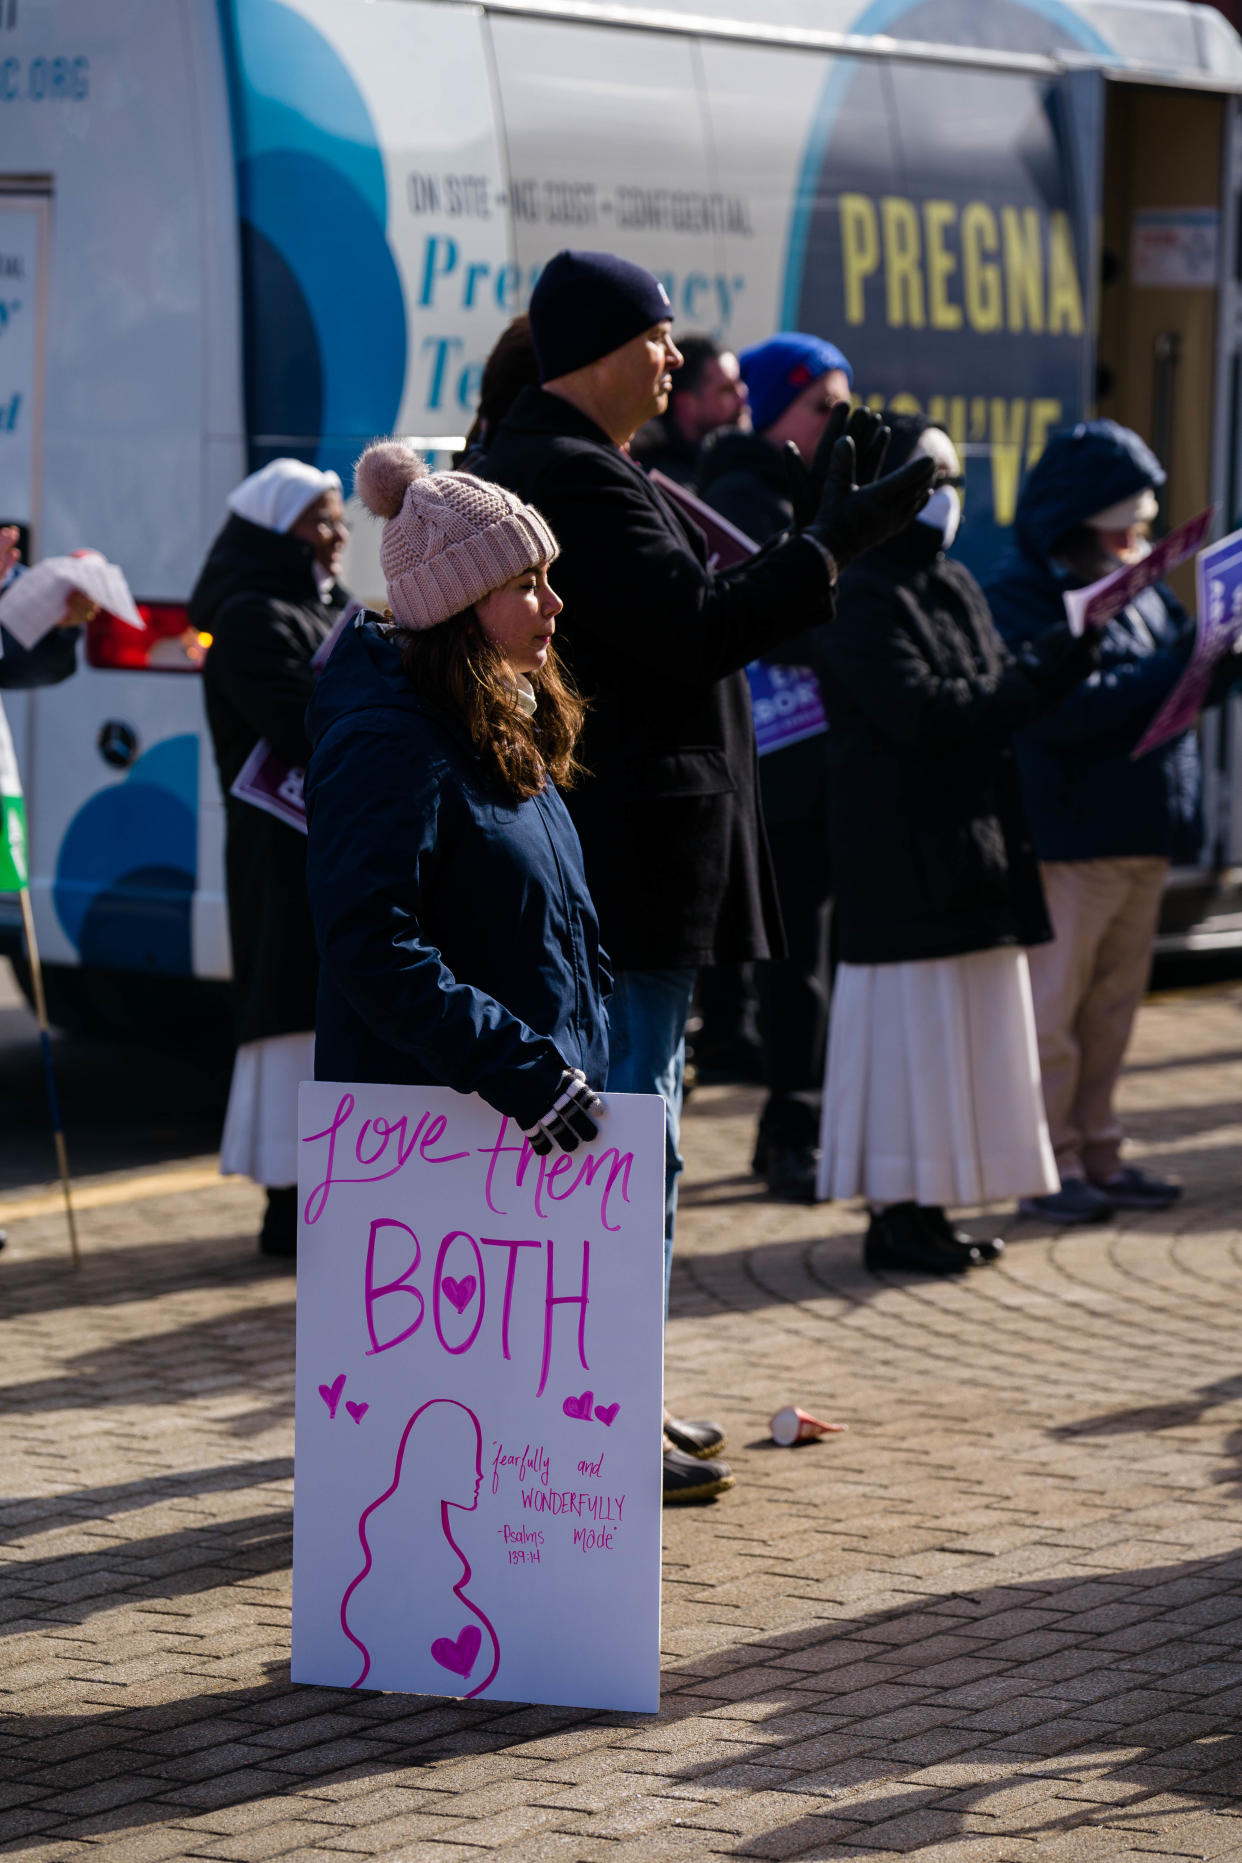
{"x": 940, "y": 266}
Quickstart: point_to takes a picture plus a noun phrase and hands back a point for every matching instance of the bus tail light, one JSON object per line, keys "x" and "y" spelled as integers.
{"x": 165, "y": 643}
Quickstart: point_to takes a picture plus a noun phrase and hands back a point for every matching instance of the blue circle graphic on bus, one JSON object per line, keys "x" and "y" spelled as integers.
{"x": 127, "y": 865}
{"x": 324, "y": 314}
{"x": 942, "y": 236}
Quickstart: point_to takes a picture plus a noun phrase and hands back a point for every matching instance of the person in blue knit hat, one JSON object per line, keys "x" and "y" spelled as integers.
{"x": 793, "y": 382}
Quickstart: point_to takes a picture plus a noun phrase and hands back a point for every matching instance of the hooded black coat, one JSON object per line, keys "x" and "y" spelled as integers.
{"x": 1088, "y": 797}
{"x": 931, "y": 853}
{"x": 459, "y": 941}
{"x": 258, "y": 599}
{"x": 672, "y": 833}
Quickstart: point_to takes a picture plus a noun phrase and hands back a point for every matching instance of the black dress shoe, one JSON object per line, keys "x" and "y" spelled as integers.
{"x": 688, "y": 1479}
{"x": 279, "y": 1234}
{"x": 789, "y": 1171}
{"x": 900, "y": 1237}
{"x": 697, "y": 1437}
{"x": 990, "y": 1249}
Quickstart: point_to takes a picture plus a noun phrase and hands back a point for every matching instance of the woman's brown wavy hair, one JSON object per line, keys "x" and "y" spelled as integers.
{"x": 458, "y": 666}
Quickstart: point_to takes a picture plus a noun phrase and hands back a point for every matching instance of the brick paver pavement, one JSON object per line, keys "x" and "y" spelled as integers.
{"x": 1000, "y": 1619}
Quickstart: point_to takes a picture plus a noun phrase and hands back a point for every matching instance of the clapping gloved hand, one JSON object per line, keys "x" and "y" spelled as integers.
{"x": 855, "y": 507}
{"x": 570, "y": 1119}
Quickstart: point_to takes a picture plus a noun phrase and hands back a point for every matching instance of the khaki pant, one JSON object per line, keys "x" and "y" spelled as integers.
{"x": 1087, "y": 985}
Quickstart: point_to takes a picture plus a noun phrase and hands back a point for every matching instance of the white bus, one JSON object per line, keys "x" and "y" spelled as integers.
{"x": 233, "y": 231}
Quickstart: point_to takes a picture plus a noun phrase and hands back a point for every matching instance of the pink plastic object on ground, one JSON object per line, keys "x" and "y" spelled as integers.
{"x": 791, "y": 1425}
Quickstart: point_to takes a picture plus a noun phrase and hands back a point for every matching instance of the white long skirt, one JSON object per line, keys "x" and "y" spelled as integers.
{"x": 260, "y": 1138}
{"x": 932, "y": 1091}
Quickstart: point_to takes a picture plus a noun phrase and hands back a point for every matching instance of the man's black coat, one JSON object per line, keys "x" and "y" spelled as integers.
{"x": 671, "y": 829}
{"x": 743, "y": 477}
{"x": 258, "y": 598}
{"x": 931, "y": 852}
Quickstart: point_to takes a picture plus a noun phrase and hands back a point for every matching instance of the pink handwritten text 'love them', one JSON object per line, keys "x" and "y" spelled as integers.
{"x": 382, "y": 1147}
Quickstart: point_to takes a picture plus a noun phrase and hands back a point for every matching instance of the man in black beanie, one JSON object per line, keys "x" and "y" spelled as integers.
{"x": 670, "y": 823}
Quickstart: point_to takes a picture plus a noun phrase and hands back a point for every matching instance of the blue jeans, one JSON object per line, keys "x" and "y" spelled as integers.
{"x": 647, "y": 1054}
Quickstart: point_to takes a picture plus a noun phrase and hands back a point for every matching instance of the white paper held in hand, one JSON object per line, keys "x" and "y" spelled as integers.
{"x": 34, "y": 603}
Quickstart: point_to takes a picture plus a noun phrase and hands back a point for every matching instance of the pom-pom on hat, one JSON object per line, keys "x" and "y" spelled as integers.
{"x": 776, "y": 372}
{"x": 586, "y": 304}
{"x": 449, "y": 539}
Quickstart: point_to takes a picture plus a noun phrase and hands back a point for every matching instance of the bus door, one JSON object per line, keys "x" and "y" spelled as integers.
{"x": 1167, "y": 361}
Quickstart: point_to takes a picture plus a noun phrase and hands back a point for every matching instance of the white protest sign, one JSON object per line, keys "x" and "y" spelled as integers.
{"x": 478, "y": 1481}
{"x": 34, "y": 603}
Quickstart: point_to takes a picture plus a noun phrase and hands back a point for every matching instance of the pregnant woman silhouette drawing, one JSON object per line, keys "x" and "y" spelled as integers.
{"x": 422, "y": 1641}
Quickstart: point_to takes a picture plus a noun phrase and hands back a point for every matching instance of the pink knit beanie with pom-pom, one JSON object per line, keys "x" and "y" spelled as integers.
{"x": 449, "y": 539}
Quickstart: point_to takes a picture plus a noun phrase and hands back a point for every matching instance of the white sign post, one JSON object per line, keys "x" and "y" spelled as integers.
{"x": 477, "y": 1484}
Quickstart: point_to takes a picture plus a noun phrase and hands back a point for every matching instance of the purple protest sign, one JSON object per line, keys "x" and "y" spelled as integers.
{"x": 1218, "y": 583}
{"x": 1100, "y": 601}
{"x": 477, "y": 1492}
{"x": 270, "y": 782}
{"x": 787, "y": 704}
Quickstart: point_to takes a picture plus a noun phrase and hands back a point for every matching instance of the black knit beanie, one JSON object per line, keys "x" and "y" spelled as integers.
{"x": 586, "y": 304}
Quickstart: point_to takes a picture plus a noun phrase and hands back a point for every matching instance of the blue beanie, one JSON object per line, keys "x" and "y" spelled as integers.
{"x": 586, "y": 304}
{"x": 776, "y": 372}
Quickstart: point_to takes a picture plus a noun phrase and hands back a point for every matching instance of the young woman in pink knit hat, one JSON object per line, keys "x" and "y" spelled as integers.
{"x": 458, "y": 942}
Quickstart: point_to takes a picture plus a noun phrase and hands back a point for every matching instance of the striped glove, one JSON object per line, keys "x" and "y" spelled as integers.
{"x": 571, "y": 1117}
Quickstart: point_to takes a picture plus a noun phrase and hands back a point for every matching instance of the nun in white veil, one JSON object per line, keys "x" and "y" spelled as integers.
{"x": 268, "y": 596}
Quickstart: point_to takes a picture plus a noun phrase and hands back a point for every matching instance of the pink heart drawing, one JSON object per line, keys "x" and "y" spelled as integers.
{"x": 359, "y": 1411}
{"x": 460, "y": 1657}
{"x": 579, "y": 1407}
{"x": 331, "y": 1393}
{"x": 605, "y": 1413}
{"x": 459, "y": 1293}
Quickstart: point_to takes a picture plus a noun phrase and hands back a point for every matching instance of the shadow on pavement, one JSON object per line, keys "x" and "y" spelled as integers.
{"x": 1129, "y": 1678}
{"x": 1151, "y": 1419}
{"x": 67, "y": 1588}
{"x": 123, "y": 1107}
{"x": 41, "y": 1513}
{"x": 211, "y": 1355}
{"x": 112, "y": 1277}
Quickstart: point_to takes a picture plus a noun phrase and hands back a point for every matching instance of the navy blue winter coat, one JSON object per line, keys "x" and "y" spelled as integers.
{"x": 458, "y": 943}
{"x": 1085, "y": 797}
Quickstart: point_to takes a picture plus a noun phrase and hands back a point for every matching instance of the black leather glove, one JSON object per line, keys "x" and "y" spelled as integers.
{"x": 1056, "y": 661}
{"x": 806, "y": 482}
{"x": 853, "y": 515}
{"x": 571, "y": 1117}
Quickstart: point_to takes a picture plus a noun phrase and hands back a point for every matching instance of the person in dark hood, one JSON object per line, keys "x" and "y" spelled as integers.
{"x": 932, "y": 1093}
{"x": 268, "y": 596}
{"x": 708, "y": 393}
{"x": 1105, "y": 825}
{"x": 794, "y": 382}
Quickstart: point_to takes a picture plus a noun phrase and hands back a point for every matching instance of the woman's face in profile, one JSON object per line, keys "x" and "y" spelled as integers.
{"x": 520, "y": 619}
{"x": 323, "y": 526}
